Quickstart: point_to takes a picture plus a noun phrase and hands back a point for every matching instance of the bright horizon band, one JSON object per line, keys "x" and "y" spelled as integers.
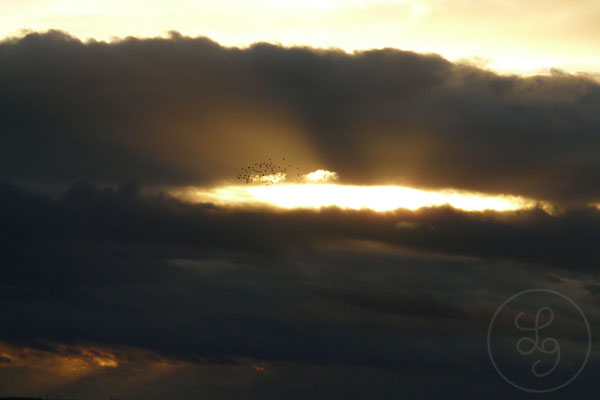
{"x": 510, "y": 37}
{"x": 377, "y": 198}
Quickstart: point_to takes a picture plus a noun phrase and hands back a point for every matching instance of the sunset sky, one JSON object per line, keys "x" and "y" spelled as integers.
{"x": 297, "y": 199}
{"x": 506, "y": 35}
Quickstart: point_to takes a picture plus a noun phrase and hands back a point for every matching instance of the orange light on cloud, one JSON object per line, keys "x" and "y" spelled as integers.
{"x": 67, "y": 361}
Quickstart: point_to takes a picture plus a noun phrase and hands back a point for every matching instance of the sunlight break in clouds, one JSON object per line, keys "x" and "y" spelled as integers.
{"x": 321, "y": 175}
{"x": 315, "y": 195}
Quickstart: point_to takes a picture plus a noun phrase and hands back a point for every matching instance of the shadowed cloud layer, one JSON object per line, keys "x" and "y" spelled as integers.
{"x": 116, "y": 283}
{"x": 112, "y": 288}
{"x": 188, "y": 111}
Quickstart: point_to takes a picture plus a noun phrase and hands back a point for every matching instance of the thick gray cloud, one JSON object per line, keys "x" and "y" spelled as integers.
{"x": 116, "y": 267}
{"x": 183, "y": 110}
{"x": 312, "y": 297}
{"x": 382, "y": 304}
{"x": 567, "y": 240}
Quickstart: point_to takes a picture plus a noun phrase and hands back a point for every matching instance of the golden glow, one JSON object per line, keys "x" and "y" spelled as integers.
{"x": 321, "y": 175}
{"x": 513, "y": 36}
{"x": 68, "y": 361}
{"x": 377, "y": 198}
{"x": 274, "y": 178}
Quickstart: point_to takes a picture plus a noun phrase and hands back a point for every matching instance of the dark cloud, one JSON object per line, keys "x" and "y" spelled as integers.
{"x": 80, "y": 250}
{"x": 318, "y": 295}
{"x": 423, "y": 305}
{"x": 186, "y": 110}
{"x": 568, "y": 239}
{"x": 285, "y": 303}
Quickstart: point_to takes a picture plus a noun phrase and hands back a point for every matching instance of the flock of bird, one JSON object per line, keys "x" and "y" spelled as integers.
{"x": 270, "y": 173}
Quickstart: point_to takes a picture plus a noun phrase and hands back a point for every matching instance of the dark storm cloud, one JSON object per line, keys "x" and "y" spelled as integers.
{"x": 192, "y": 282}
{"x": 339, "y": 290}
{"x": 358, "y": 296}
{"x": 183, "y": 110}
{"x": 404, "y": 304}
{"x": 567, "y": 239}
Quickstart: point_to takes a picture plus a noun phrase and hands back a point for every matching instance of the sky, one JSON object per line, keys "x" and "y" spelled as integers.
{"x": 292, "y": 200}
{"x": 506, "y": 35}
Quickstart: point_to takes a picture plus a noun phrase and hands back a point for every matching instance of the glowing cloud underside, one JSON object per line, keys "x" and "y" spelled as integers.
{"x": 378, "y": 198}
{"x": 321, "y": 175}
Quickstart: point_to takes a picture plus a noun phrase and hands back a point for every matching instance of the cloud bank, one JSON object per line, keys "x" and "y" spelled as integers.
{"x": 107, "y": 287}
{"x": 189, "y": 111}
